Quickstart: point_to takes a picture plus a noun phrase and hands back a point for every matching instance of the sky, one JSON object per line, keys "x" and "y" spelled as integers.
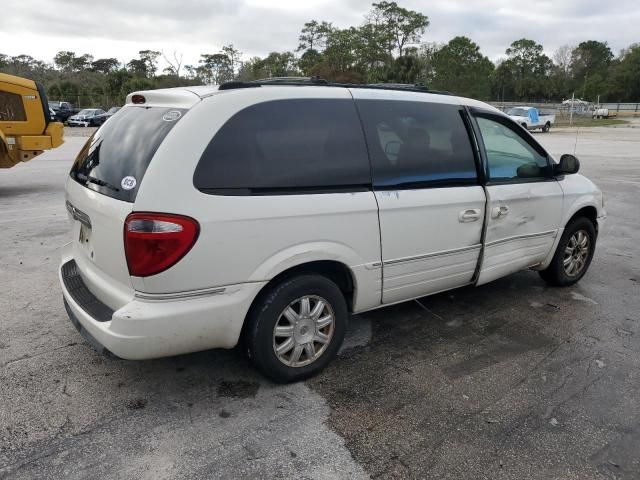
{"x": 120, "y": 28}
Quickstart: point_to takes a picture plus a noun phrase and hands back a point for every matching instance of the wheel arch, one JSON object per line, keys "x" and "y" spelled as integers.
{"x": 588, "y": 211}
{"x": 336, "y": 271}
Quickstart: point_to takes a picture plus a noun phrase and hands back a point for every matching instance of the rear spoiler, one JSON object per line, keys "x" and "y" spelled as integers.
{"x": 166, "y": 97}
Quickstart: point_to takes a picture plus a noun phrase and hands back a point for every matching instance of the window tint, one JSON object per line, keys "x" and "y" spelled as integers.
{"x": 417, "y": 143}
{"x": 11, "y": 108}
{"x": 286, "y": 145}
{"x": 509, "y": 155}
{"x": 122, "y": 149}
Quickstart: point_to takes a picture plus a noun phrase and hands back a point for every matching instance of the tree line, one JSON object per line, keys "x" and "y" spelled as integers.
{"x": 388, "y": 46}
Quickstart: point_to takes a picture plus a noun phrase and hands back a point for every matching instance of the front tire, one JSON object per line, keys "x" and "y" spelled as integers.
{"x": 573, "y": 255}
{"x": 296, "y": 328}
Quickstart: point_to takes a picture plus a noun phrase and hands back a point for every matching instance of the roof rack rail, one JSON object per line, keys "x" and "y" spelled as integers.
{"x": 317, "y": 81}
{"x": 301, "y": 80}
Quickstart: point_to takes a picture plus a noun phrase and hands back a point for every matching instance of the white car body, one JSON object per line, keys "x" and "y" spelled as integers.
{"x": 396, "y": 245}
{"x": 531, "y": 119}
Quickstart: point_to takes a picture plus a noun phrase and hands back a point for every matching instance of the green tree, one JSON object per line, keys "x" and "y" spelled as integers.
{"x": 624, "y": 80}
{"x": 68, "y": 61}
{"x": 342, "y": 47}
{"x": 279, "y": 65}
{"x": 529, "y": 68}
{"x": 309, "y": 59}
{"x": 404, "y": 69}
{"x": 371, "y": 52}
{"x": 459, "y": 67}
{"x": 589, "y": 58}
{"x": 105, "y": 65}
{"x": 64, "y": 60}
{"x": 314, "y": 35}
{"x": 234, "y": 55}
{"x": 82, "y": 63}
{"x": 590, "y": 62}
{"x": 146, "y": 65}
{"x": 215, "y": 68}
{"x": 398, "y": 26}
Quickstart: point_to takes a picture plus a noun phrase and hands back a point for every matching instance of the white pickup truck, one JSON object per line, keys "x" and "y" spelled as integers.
{"x": 532, "y": 119}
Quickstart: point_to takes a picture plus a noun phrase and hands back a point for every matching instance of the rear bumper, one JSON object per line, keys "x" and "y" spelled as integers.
{"x": 144, "y": 329}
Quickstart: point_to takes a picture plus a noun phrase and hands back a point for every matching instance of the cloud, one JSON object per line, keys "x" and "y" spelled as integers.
{"x": 120, "y": 28}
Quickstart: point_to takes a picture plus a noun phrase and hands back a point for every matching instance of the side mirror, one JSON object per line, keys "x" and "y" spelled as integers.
{"x": 569, "y": 164}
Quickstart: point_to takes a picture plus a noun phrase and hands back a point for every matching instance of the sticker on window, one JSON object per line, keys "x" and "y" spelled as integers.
{"x": 128, "y": 183}
{"x": 171, "y": 116}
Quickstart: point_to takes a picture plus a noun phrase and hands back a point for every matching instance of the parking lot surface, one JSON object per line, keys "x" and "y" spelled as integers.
{"x": 509, "y": 380}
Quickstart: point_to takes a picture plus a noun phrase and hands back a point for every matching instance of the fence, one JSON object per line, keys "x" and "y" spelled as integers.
{"x": 88, "y": 101}
{"x": 563, "y": 109}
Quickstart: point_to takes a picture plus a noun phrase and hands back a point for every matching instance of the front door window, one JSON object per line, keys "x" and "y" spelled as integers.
{"x": 509, "y": 156}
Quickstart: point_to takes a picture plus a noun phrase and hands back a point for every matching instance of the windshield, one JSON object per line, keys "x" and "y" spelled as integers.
{"x": 113, "y": 110}
{"x": 518, "y": 112}
{"x": 86, "y": 112}
{"x": 116, "y": 157}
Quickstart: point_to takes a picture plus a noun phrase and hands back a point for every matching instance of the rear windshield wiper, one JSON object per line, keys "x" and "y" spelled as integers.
{"x": 97, "y": 181}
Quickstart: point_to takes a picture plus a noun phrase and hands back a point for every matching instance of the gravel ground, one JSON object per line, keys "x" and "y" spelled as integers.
{"x": 510, "y": 380}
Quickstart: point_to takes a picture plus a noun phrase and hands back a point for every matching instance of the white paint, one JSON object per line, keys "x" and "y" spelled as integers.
{"x": 245, "y": 241}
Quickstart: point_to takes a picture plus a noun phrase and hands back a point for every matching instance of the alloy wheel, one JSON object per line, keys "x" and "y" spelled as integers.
{"x": 576, "y": 253}
{"x": 303, "y": 331}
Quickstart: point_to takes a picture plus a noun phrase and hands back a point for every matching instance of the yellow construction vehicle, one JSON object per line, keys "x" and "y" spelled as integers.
{"x": 26, "y": 126}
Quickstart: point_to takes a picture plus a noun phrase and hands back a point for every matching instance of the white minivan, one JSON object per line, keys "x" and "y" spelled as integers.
{"x": 267, "y": 212}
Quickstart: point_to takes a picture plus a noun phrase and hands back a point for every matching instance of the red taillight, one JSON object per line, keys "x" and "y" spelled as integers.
{"x": 154, "y": 242}
{"x": 138, "y": 99}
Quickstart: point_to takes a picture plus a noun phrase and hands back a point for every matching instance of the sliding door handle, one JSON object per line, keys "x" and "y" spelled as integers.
{"x": 469, "y": 215}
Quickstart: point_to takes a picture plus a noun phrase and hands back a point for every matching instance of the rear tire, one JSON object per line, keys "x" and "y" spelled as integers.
{"x": 295, "y": 329}
{"x": 573, "y": 255}
{"x": 547, "y": 127}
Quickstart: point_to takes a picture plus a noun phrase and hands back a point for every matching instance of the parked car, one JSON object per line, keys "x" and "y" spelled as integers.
{"x": 89, "y": 117}
{"x": 63, "y": 110}
{"x": 112, "y": 111}
{"x": 530, "y": 118}
{"x": 293, "y": 206}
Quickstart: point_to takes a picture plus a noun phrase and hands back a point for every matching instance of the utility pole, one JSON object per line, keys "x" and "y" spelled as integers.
{"x": 573, "y": 98}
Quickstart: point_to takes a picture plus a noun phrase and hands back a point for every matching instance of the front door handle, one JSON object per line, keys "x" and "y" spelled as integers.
{"x": 499, "y": 212}
{"x": 469, "y": 215}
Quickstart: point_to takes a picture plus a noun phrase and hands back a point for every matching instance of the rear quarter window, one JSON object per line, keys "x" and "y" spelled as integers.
{"x": 287, "y": 146}
{"x": 114, "y": 160}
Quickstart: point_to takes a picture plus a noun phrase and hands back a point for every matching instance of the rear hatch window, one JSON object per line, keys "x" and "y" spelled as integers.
{"x": 115, "y": 158}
